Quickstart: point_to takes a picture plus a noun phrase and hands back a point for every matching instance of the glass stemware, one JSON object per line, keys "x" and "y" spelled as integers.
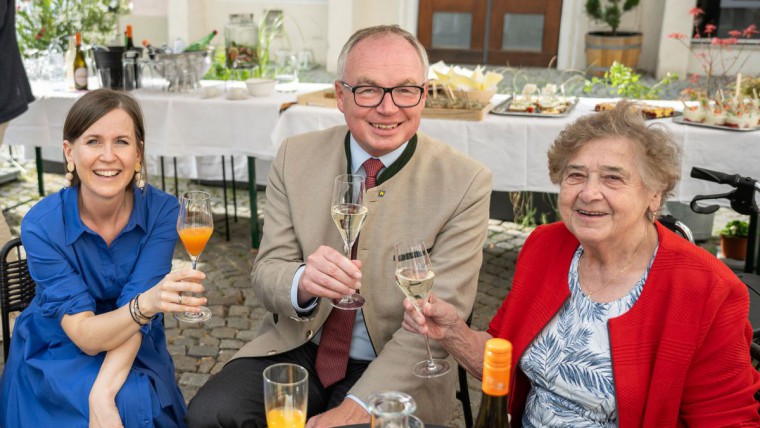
{"x": 349, "y": 213}
{"x": 414, "y": 276}
{"x": 194, "y": 226}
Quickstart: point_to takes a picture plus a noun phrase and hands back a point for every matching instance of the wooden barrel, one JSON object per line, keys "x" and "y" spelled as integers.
{"x": 602, "y": 49}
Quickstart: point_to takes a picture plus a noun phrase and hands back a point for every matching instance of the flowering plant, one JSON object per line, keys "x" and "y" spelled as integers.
{"x": 41, "y": 23}
{"x": 717, "y": 54}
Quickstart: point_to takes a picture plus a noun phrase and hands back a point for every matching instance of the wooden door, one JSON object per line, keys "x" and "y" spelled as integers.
{"x": 499, "y": 32}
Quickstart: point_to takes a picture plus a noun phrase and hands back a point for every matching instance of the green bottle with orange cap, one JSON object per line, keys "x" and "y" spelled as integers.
{"x": 497, "y": 364}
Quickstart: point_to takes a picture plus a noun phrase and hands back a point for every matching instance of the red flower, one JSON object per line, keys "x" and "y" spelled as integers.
{"x": 695, "y": 11}
{"x": 735, "y": 33}
{"x": 716, "y": 41}
{"x": 677, "y": 36}
{"x": 694, "y": 78}
{"x": 730, "y": 41}
{"x": 749, "y": 31}
{"x": 710, "y": 28}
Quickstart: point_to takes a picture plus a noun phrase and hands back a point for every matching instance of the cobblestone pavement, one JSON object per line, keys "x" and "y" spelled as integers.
{"x": 201, "y": 350}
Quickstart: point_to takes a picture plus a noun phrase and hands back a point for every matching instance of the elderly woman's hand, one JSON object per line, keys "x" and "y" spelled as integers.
{"x": 436, "y": 319}
{"x": 171, "y": 294}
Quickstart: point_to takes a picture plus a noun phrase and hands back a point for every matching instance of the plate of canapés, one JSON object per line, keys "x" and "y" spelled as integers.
{"x": 733, "y": 115}
{"x": 649, "y": 111}
{"x": 548, "y": 103}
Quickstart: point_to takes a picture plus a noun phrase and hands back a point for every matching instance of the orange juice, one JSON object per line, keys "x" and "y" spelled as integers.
{"x": 280, "y": 418}
{"x": 195, "y": 238}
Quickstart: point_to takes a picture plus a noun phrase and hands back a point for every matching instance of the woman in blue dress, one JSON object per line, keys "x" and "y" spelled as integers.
{"x": 91, "y": 349}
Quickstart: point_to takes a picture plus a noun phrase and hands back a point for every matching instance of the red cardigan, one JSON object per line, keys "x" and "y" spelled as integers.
{"x": 680, "y": 355}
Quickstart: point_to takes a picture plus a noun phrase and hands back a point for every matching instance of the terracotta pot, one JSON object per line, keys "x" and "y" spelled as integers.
{"x": 733, "y": 247}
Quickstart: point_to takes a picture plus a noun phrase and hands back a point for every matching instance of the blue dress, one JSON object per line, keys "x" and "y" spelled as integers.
{"x": 47, "y": 378}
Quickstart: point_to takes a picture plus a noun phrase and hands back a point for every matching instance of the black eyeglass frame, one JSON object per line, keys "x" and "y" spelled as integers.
{"x": 353, "y": 90}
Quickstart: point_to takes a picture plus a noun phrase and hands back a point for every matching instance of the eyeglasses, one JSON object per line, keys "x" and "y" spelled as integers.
{"x": 372, "y": 96}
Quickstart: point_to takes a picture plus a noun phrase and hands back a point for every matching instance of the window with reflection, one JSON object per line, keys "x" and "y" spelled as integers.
{"x": 523, "y": 32}
{"x": 451, "y": 30}
{"x": 729, "y": 15}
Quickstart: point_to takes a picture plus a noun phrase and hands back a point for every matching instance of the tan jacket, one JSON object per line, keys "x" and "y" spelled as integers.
{"x": 440, "y": 195}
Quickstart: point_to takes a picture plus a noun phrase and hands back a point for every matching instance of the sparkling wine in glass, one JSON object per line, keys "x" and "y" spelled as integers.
{"x": 349, "y": 213}
{"x": 194, "y": 226}
{"x": 414, "y": 276}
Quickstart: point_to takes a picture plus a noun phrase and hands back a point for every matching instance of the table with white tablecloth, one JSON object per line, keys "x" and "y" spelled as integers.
{"x": 514, "y": 147}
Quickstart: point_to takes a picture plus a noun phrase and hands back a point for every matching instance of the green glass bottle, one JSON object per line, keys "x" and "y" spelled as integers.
{"x": 201, "y": 44}
{"x": 497, "y": 363}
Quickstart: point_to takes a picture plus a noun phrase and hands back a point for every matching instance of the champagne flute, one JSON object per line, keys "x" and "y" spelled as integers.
{"x": 194, "y": 226}
{"x": 414, "y": 276}
{"x": 349, "y": 213}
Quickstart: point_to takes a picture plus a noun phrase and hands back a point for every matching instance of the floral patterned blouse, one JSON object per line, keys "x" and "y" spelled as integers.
{"x": 569, "y": 363}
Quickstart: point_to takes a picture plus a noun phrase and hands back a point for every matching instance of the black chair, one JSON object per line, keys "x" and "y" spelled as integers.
{"x": 16, "y": 287}
{"x": 463, "y": 394}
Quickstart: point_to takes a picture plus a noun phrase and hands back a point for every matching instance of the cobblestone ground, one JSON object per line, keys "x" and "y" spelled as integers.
{"x": 200, "y": 350}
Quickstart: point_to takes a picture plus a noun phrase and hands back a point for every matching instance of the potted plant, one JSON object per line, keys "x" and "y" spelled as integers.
{"x": 42, "y": 23}
{"x": 733, "y": 239}
{"x": 605, "y": 47}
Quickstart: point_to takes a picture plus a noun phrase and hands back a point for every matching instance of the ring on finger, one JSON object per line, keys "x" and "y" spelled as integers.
{"x": 179, "y": 297}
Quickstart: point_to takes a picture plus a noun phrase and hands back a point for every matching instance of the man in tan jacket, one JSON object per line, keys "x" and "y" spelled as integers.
{"x": 425, "y": 189}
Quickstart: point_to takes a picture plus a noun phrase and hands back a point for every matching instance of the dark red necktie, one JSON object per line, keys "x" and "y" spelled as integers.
{"x": 335, "y": 342}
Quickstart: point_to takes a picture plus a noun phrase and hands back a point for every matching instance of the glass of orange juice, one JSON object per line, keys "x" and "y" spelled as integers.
{"x": 194, "y": 226}
{"x": 286, "y": 395}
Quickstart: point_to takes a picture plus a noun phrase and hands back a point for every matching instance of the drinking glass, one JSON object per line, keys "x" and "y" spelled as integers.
{"x": 286, "y": 395}
{"x": 414, "y": 276}
{"x": 286, "y": 71}
{"x": 349, "y": 213}
{"x": 391, "y": 409}
{"x": 194, "y": 226}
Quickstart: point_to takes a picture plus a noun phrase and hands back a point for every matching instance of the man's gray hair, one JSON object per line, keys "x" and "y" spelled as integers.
{"x": 379, "y": 31}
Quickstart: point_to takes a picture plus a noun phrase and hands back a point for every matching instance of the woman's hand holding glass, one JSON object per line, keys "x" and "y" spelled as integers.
{"x": 435, "y": 319}
{"x": 167, "y": 295}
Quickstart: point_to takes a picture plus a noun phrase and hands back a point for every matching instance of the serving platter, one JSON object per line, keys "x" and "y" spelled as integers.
{"x": 645, "y": 109}
{"x": 682, "y": 121}
{"x": 502, "y": 109}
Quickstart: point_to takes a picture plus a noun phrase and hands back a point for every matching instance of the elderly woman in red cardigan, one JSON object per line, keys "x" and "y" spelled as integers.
{"x": 615, "y": 320}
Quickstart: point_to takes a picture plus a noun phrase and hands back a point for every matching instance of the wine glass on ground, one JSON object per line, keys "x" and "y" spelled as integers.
{"x": 349, "y": 213}
{"x": 194, "y": 226}
{"x": 414, "y": 276}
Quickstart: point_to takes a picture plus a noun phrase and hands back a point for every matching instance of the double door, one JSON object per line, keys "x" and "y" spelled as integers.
{"x": 497, "y": 32}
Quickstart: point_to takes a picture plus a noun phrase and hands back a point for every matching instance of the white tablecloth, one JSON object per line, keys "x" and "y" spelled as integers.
{"x": 514, "y": 147}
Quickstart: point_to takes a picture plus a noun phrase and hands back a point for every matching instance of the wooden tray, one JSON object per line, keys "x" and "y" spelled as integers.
{"x": 321, "y": 99}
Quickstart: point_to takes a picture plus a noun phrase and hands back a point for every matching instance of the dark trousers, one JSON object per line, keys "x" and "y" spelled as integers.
{"x": 235, "y": 396}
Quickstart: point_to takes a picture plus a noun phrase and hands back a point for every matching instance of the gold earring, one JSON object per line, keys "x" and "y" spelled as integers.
{"x": 69, "y": 174}
{"x": 138, "y": 176}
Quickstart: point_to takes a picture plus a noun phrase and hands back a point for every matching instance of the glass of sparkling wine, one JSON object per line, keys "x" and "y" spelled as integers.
{"x": 414, "y": 276}
{"x": 286, "y": 395}
{"x": 349, "y": 213}
{"x": 194, "y": 226}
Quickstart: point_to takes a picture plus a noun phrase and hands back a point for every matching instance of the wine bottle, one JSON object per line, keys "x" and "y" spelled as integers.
{"x": 80, "y": 66}
{"x": 129, "y": 44}
{"x": 201, "y": 44}
{"x": 497, "y": 364}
